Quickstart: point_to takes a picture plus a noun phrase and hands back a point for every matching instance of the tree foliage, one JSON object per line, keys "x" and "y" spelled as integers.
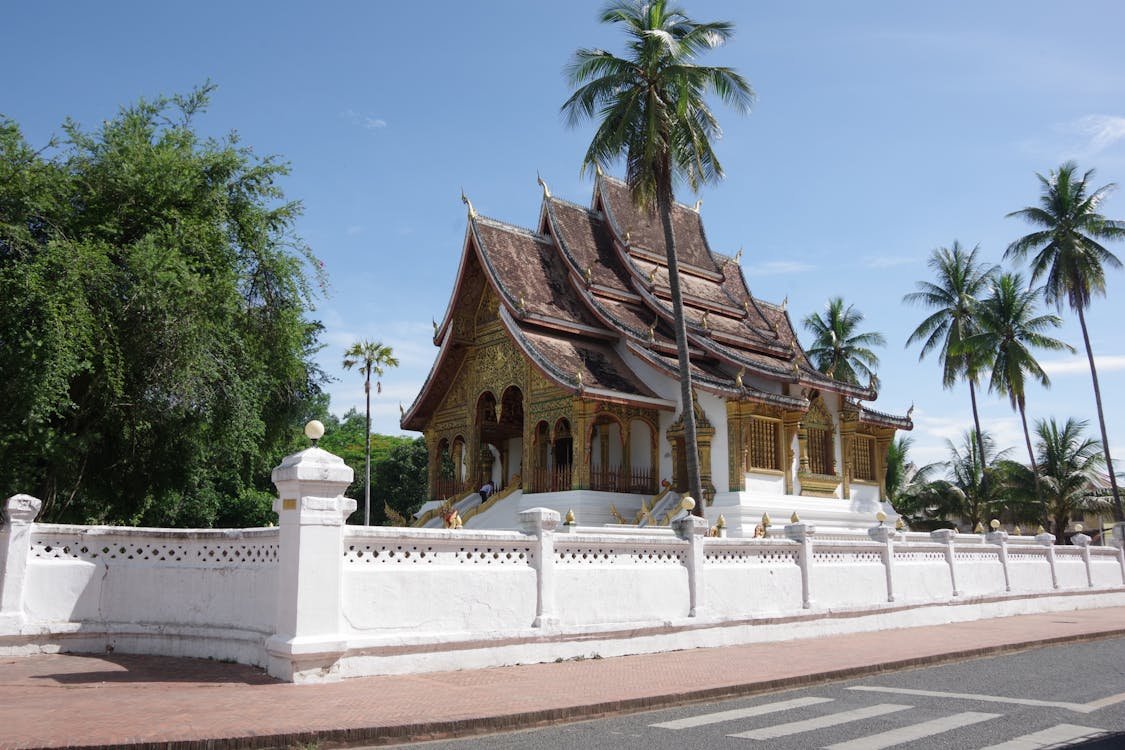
{"x": 154, "y": 345}
{"x": 839, "y": 349}
{"x": 651, "y": 107}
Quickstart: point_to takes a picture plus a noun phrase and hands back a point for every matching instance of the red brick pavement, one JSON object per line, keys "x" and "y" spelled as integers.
{"x": 147, "y": 701}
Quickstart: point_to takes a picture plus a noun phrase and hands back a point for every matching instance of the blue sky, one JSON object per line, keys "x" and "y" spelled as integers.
{"x": 882, "y": 130}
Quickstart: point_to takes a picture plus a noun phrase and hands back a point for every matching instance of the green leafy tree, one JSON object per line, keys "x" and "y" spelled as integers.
{"x": 964, "y": 494}
{"x": 960, "y": 279}
{"x": 401, "y": 476}
{"x": 370, "y": 357}
{"x": 1009, "y": 330}
{"x": 839, "y": 350}
{"x": 652, "y": 110}
{"x": 155, "y": 351}
{"x": 1066, "y": 252}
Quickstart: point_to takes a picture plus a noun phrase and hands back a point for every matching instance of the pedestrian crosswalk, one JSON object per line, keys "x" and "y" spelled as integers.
{"x": 770, "y": 722}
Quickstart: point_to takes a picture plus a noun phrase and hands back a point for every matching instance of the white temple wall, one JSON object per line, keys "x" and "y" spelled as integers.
{"x": 515, "y": 459}
{"x": 716, "y": 410}
{"x": 773, "y": 484}
{"x": 315, "y": 600}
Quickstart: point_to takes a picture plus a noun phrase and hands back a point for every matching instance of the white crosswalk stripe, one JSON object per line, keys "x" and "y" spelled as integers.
{"x": 1049, "y": 738}
{"x": 739, "y": 713}
{"x": 821, "y": 722}
{"x": 913, "y": 732}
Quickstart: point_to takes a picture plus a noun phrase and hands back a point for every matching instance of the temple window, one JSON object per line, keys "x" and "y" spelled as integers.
{"x": 863, "y": 458}
{"x": 764, "y": 448}
{"x": 820, "y": 450}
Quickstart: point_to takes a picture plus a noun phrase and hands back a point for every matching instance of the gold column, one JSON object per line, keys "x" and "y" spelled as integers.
{"x": 882, "y": 445}
{"x": 580, "y": 440}
{"x": 847, "y": 431}
{"x": 736, "y": 445}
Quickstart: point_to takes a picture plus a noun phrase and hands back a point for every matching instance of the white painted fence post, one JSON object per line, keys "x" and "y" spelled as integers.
{"x": 1083, "y": 541}
{"x": 1119, "y": 542}
{"x": 19, "y": 514}
{"x": 311, "y": 508}
{"x": 1048, "y": 540}
{"x": 542, "y": 522}
{"x": 886, "y": 535}
{"x": 946, "y": 536}
{"x": 802, "y": 532}
{"x": 1000, "y": 539}
{"x": 693, "y": 530}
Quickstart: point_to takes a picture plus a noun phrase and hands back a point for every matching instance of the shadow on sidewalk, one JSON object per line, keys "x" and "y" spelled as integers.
{"x": 77, "y": 669}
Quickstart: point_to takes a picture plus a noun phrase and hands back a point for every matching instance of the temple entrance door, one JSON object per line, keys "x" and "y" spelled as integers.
{"x": 500, "y": 428}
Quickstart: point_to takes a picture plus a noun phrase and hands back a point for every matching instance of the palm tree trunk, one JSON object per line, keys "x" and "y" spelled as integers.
{"x": 691, "y": 450}
{"x": 1118, "y": 513}
{"x": 980, "y": 437}
{"x": 367, "y": 455}
{"x": 1030, "y": 452}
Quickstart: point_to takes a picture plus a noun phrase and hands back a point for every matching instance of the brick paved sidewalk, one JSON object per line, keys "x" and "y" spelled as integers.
{"x": 146, "y": 701}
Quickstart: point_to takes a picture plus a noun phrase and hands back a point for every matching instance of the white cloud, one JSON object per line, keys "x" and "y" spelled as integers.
{"x": 777, "y": 267}
{"x": 1081, "y": 138}
{"x": 1081, "y": 366}
{"x": 368, "y": 122}
{"x": 354, "y": 230}
{"x": 887, "y": 261}
{"x": 1098, "y": 132}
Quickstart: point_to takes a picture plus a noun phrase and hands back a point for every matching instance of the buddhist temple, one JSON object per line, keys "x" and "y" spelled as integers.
{"x": 556, "y": 381}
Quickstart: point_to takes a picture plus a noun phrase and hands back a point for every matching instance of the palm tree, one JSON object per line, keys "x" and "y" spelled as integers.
{"x": 1070, "y": 464}
{"x": 1067, "y": 252}
{"x": 960, "y": 281}
{"x": 1009, "y": 329}
{"x": 908, "y": 484}
{"x": 838, "y": 350}
{"x": 371, "y": 357}
{"x": 651, "y": 110}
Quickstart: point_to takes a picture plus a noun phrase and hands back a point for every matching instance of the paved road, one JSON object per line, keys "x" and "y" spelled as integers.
{"x": 1059, "y": 696}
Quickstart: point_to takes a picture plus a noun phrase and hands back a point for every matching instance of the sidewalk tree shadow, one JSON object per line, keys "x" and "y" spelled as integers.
{"x": 92, "y": 668}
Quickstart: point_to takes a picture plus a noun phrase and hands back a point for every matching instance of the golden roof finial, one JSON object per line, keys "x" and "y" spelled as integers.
{"x": 705, "y": 321}
{"x": 785, "y": 303}
{"x": 738, "y": 256}
{"x": 698, "y": 205}
{"x": 900, "y": 525}
{"x": 578, "y": 377}
{"x": 523, "y": 304}
{"x": 628, "y": 236}
{"x": 1040, "y": 530}
{"x": 543, "y": 184}
{"x": 910, "y": 410}
{"x": 570, "y": 517}
{"x": 435, "y": 325}
{"x": 598, "y": 168}
{"x": 652, "y": 274}
{"x": 652, "y": 330}
{"x": 1017, "y": 531}
{"x": 738, "y": 377}
{"x": 794, "y": 518}
{"x": 979, "y": 528}
{"x": 401, "y": 411}
{"x": 746, "y": 306}
{"x": 588, "y": 274}
{"x": 766, "y": 522}
{"x": 469, "y": 203}
{"x": 722, "y": 522}
{"x": 796, "y": 369}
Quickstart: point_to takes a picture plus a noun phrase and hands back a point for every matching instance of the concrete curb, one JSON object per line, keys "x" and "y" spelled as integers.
{"x": 434, "y": 730}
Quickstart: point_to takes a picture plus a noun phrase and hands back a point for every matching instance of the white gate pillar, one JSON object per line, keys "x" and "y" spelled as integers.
{"x": 311, "y": 508}
{"x": 19, "y": 512}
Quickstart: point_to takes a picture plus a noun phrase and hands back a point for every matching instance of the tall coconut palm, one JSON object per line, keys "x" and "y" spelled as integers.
{"x": 1009, "y": 330}
{"x": 652, "y": 111}
{"x": 1070, "y": 464}
{"x": 839, "y": 350}
{"x": 370, "y": 357}
{"x": 960, "y": 280}
{"x": 908, "y": 485}
{"x": 1066, "y": 251}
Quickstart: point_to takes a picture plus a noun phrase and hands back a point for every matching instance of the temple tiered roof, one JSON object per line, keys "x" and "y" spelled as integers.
{"x": 587, "y": 293}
